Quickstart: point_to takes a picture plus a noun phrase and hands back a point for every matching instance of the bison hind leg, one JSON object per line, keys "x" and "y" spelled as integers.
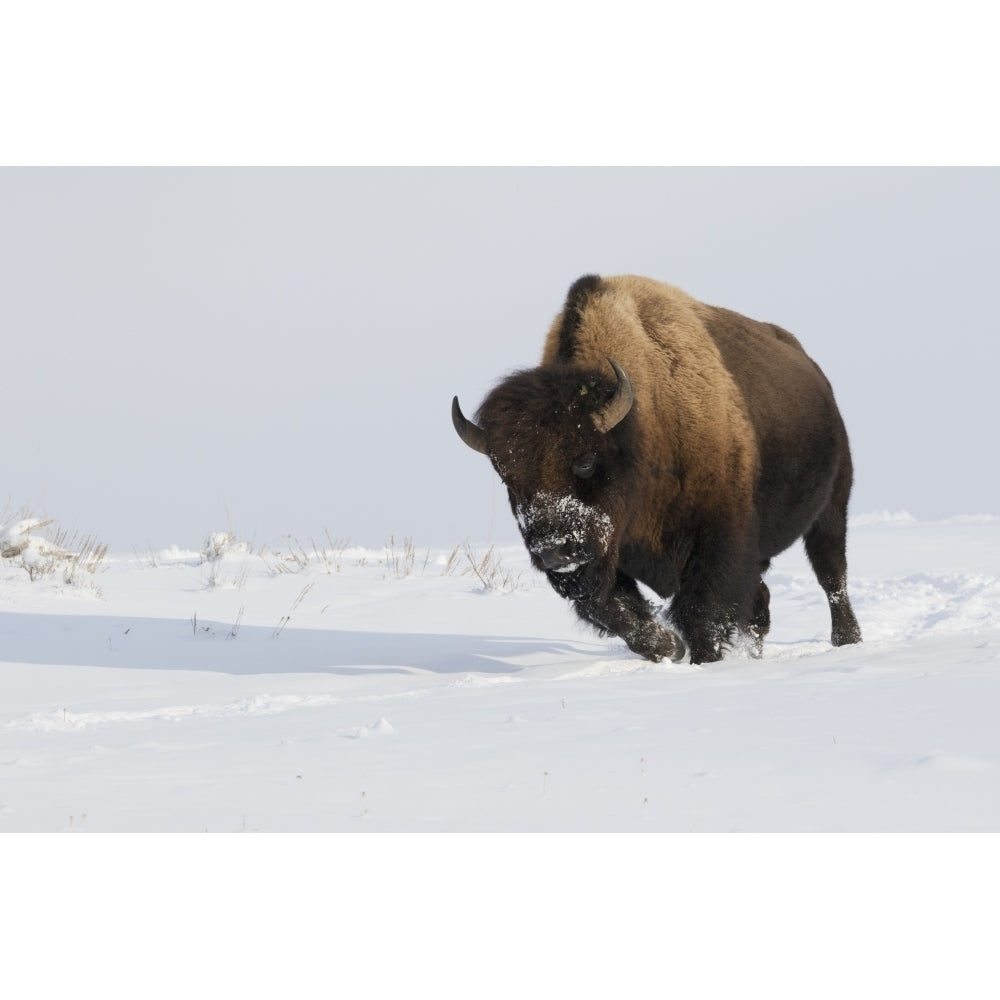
{"x": 760, "y": 620}
{"x": 826, "y": 546}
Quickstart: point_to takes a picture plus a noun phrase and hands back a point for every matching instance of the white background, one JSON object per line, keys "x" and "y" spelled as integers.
{"x": 138, "y": 438}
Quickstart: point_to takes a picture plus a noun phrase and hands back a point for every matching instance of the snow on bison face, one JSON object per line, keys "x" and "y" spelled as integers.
{"x": 562, "y": 532}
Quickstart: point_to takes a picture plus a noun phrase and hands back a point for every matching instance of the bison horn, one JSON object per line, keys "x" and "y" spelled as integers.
{"x": 472, "y": 434}
{"x": 616, "y": 409}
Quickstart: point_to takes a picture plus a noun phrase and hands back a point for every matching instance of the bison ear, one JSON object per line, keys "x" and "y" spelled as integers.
{"x": 472, "y": 434}
{"x": 616, "y": 409}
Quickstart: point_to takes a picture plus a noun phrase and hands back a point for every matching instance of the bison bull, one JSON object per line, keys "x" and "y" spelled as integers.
{"x": 676, "y": 444}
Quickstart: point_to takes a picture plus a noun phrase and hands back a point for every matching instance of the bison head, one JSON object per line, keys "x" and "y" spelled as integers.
{"x": 557, "y": 437}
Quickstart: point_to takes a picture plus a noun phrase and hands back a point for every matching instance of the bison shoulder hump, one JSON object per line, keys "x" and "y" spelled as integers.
{"x": 569, "y": 320}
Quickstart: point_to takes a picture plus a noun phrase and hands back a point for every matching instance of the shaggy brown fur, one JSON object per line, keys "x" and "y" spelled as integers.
{"x": 732, "y": 449}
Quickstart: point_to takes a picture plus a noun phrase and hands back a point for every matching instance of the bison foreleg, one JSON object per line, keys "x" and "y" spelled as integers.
{"x": 705, "y": 617}
{"x": 628, "y": 615}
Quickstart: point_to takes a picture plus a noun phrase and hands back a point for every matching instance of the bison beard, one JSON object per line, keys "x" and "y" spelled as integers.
{"x": 727, "y": 448}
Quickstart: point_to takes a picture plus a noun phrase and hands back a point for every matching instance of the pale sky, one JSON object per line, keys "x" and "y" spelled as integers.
{"x": 274, "y": 351}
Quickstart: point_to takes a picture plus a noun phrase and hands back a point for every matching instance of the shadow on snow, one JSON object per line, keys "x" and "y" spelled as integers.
{"x": 173, "y": 644}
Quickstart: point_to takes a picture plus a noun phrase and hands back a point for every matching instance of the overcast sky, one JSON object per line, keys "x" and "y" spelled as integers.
{"x": 274, "y": 351}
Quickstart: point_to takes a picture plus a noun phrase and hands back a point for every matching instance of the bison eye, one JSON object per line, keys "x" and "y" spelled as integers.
{"x": 584, "y": 466}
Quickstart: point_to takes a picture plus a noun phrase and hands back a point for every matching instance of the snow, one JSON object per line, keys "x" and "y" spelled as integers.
{"x": 342, "y": 689}
{"x": 336, "y": 688}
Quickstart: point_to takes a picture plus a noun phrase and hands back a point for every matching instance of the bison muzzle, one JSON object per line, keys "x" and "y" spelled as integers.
{"x": 666, "y": 442}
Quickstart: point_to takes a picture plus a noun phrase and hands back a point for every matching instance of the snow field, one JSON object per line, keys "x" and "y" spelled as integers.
{"x": 229, "y": 690}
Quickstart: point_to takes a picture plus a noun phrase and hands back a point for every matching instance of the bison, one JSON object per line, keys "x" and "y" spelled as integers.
{"x": 675, "y": 444}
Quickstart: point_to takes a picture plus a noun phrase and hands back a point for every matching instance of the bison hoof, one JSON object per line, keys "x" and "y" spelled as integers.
{"x": 680, "y": 650}
{"x": 666, "y": 645}
{"x": 845, "y": 638}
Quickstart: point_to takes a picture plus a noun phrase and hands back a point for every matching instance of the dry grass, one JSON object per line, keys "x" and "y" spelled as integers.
{"x": 400, "y": 565}
{"x": 42, "y": 549}
{"x": 285, "y": 619}
{"x": 487, "y": 568}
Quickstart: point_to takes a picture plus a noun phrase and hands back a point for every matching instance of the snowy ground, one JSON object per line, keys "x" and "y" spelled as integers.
{"x": 324, "y": 687}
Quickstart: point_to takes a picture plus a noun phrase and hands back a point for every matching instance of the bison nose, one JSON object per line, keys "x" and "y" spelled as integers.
{"x": 562, "y": 558}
